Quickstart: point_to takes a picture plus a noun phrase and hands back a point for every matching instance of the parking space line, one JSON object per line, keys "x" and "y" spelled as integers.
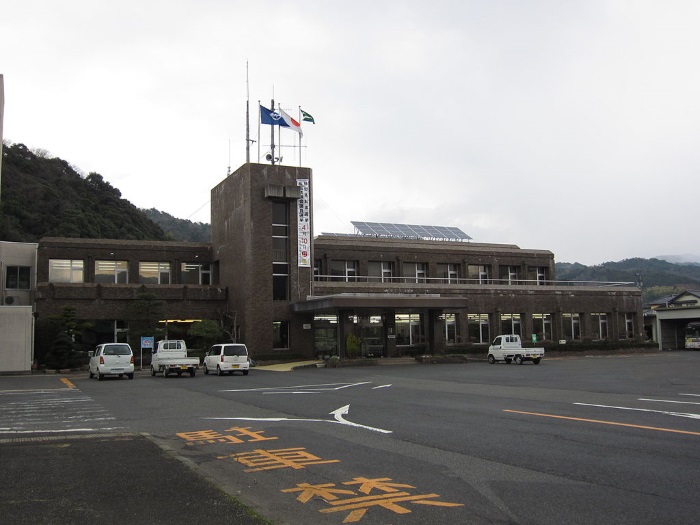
{"x": 67, "y": 382}
{"x": 601, "y": 422}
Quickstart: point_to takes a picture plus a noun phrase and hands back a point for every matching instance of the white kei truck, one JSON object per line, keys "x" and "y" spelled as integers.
{"x": 170, "y": 357}
{"x": 509, "y": 348}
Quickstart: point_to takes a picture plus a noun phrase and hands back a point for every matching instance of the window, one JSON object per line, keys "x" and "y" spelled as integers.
{"x": 193, "y": 273}
{"x": 599, "y": 325}
{"x": 409, "y": 329}
{"x": 280, "y": 335}
{"x": 280, "y": 251}
{"x": 538, "y": 275}
{"x": 448, "y": 273}
{"x": 326, "y": 335}
{"x": 510, "y": 324}
{"x": 415, "y": 272}
{"x": 154, "y": 273}
{"x": 280, "y": 281}
{"x": 479, "y": 273}
{"x": 344, "y": 271}
{"x": 509, "y": 274}
{"x": 542, "y": 326}
{"x": 17, "y": 277}
{"x": 450, "y": 328}
{"x": 381, "y": 271}
{"x": 629, "y": 326}
{"x": 65, "y": 270}
{"x": 111, "y": 272}
{"x": 478, "y": 328}
{"x": 571, "y": 326}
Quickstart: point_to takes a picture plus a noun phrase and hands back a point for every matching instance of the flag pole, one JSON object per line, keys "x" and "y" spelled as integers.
{"x": 258, "y": 160}
{"x": 299, "y": 137}
{"x": 272, "y": 136}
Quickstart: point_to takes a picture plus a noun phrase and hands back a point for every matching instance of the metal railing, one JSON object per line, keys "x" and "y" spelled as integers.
{"x": 463, "y": 281}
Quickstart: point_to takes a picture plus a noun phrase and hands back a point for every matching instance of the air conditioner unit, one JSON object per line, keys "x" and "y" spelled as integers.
{"x": 9, "y": 300}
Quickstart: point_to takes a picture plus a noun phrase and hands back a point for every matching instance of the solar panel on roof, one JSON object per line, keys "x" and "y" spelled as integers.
{"x": 409, "y": 231}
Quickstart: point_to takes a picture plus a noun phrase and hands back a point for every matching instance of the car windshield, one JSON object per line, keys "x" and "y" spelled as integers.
{"x": 117, "y": 350}
{"x": 235, "y": 350}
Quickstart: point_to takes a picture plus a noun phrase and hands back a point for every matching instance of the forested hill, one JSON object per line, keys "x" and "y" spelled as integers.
{"x": 47, "y": 197}
{"x": 658, "y": 278}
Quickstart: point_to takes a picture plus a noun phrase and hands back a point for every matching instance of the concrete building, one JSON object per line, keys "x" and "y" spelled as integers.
{"x": 17, "y": 290}
{"x": 286, "y": 293}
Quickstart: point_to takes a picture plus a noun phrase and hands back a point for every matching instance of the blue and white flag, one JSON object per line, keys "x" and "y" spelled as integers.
{"x": 279, "y": 118}
{"x": 271, "y": 118}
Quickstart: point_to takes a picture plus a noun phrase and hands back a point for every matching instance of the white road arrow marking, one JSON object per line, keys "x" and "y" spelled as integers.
{"x": 337, "y": 414}
{"x": 342, "y": 411}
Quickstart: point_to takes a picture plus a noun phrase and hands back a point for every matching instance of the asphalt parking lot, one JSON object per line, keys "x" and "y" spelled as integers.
{"x": 593, "y": 439}
{"x": 107, "y": 478}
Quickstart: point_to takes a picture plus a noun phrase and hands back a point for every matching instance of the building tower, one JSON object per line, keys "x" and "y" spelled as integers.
{"x": 261, "y": 238}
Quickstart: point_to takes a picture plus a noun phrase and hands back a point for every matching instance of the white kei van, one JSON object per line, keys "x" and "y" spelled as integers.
{"x": 227, "y": 358}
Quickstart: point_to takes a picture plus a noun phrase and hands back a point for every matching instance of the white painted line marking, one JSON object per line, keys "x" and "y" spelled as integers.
{"x": 669, "y": 401}
{"x": 381, "y": 386}
{"x": 677, "y": 414}
{"x": 300, "y": 389}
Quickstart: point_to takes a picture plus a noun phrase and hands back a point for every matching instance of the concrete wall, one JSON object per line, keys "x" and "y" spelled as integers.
{"x": 16, "y": 338}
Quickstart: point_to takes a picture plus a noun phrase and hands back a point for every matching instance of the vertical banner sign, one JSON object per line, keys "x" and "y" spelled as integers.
{"x": 304, "y": 224}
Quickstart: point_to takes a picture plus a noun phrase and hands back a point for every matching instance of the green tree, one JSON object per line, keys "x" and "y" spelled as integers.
{"x": 65, "y": 345}
{"x": 63, "y": 353}
{"x": 353, "y": 346}
{"x": 145, "y": 315}
{"x": 206, "y": 333}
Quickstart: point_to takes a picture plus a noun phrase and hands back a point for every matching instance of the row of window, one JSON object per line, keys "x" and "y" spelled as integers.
{"x": 451, "y": 273}
{"x": 410, "y": 330}
{"x": 108, "y": 272}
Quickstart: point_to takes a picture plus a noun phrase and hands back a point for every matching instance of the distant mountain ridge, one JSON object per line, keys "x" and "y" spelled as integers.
{"x": 657, "y": 278}
{"x": 684, "y": 258}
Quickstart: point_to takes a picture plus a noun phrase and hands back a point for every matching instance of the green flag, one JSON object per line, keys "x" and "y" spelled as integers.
{"x": 306, "y": 117}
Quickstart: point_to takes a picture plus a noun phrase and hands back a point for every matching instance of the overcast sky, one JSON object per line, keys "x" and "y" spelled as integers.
{"x": 571, "y": 126}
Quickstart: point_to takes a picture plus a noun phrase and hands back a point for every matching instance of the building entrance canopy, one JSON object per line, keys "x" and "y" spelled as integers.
{"x": 332, "y": 303}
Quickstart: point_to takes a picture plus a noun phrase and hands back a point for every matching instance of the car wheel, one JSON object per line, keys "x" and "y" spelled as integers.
{"x": 193, "y": 372}
{"x": 121, "y": 375}
{"x": 91, "y": 374}
{"x": 518, "y": 360}
{"x": 179, "y": 373}
{"x": 206, "y": 370}
{"x": 245, "y": 372}
{"x": 100, "y": 376}
{"x": 492, "y": 359}
{"x": 218, "y": 371}
{"x": 536, "y": 361}
{"x": 130, "y": 376}
{"x": 153, "y": 371}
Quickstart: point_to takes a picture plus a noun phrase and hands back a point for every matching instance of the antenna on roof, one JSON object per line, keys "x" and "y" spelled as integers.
{"x": 228, "y": 169}
{"x": 247, "y": 117}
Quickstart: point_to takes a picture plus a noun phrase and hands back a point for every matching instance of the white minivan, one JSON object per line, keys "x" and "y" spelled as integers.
{"x": 112, "y": 359}
{"x": 227, "y": 358}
